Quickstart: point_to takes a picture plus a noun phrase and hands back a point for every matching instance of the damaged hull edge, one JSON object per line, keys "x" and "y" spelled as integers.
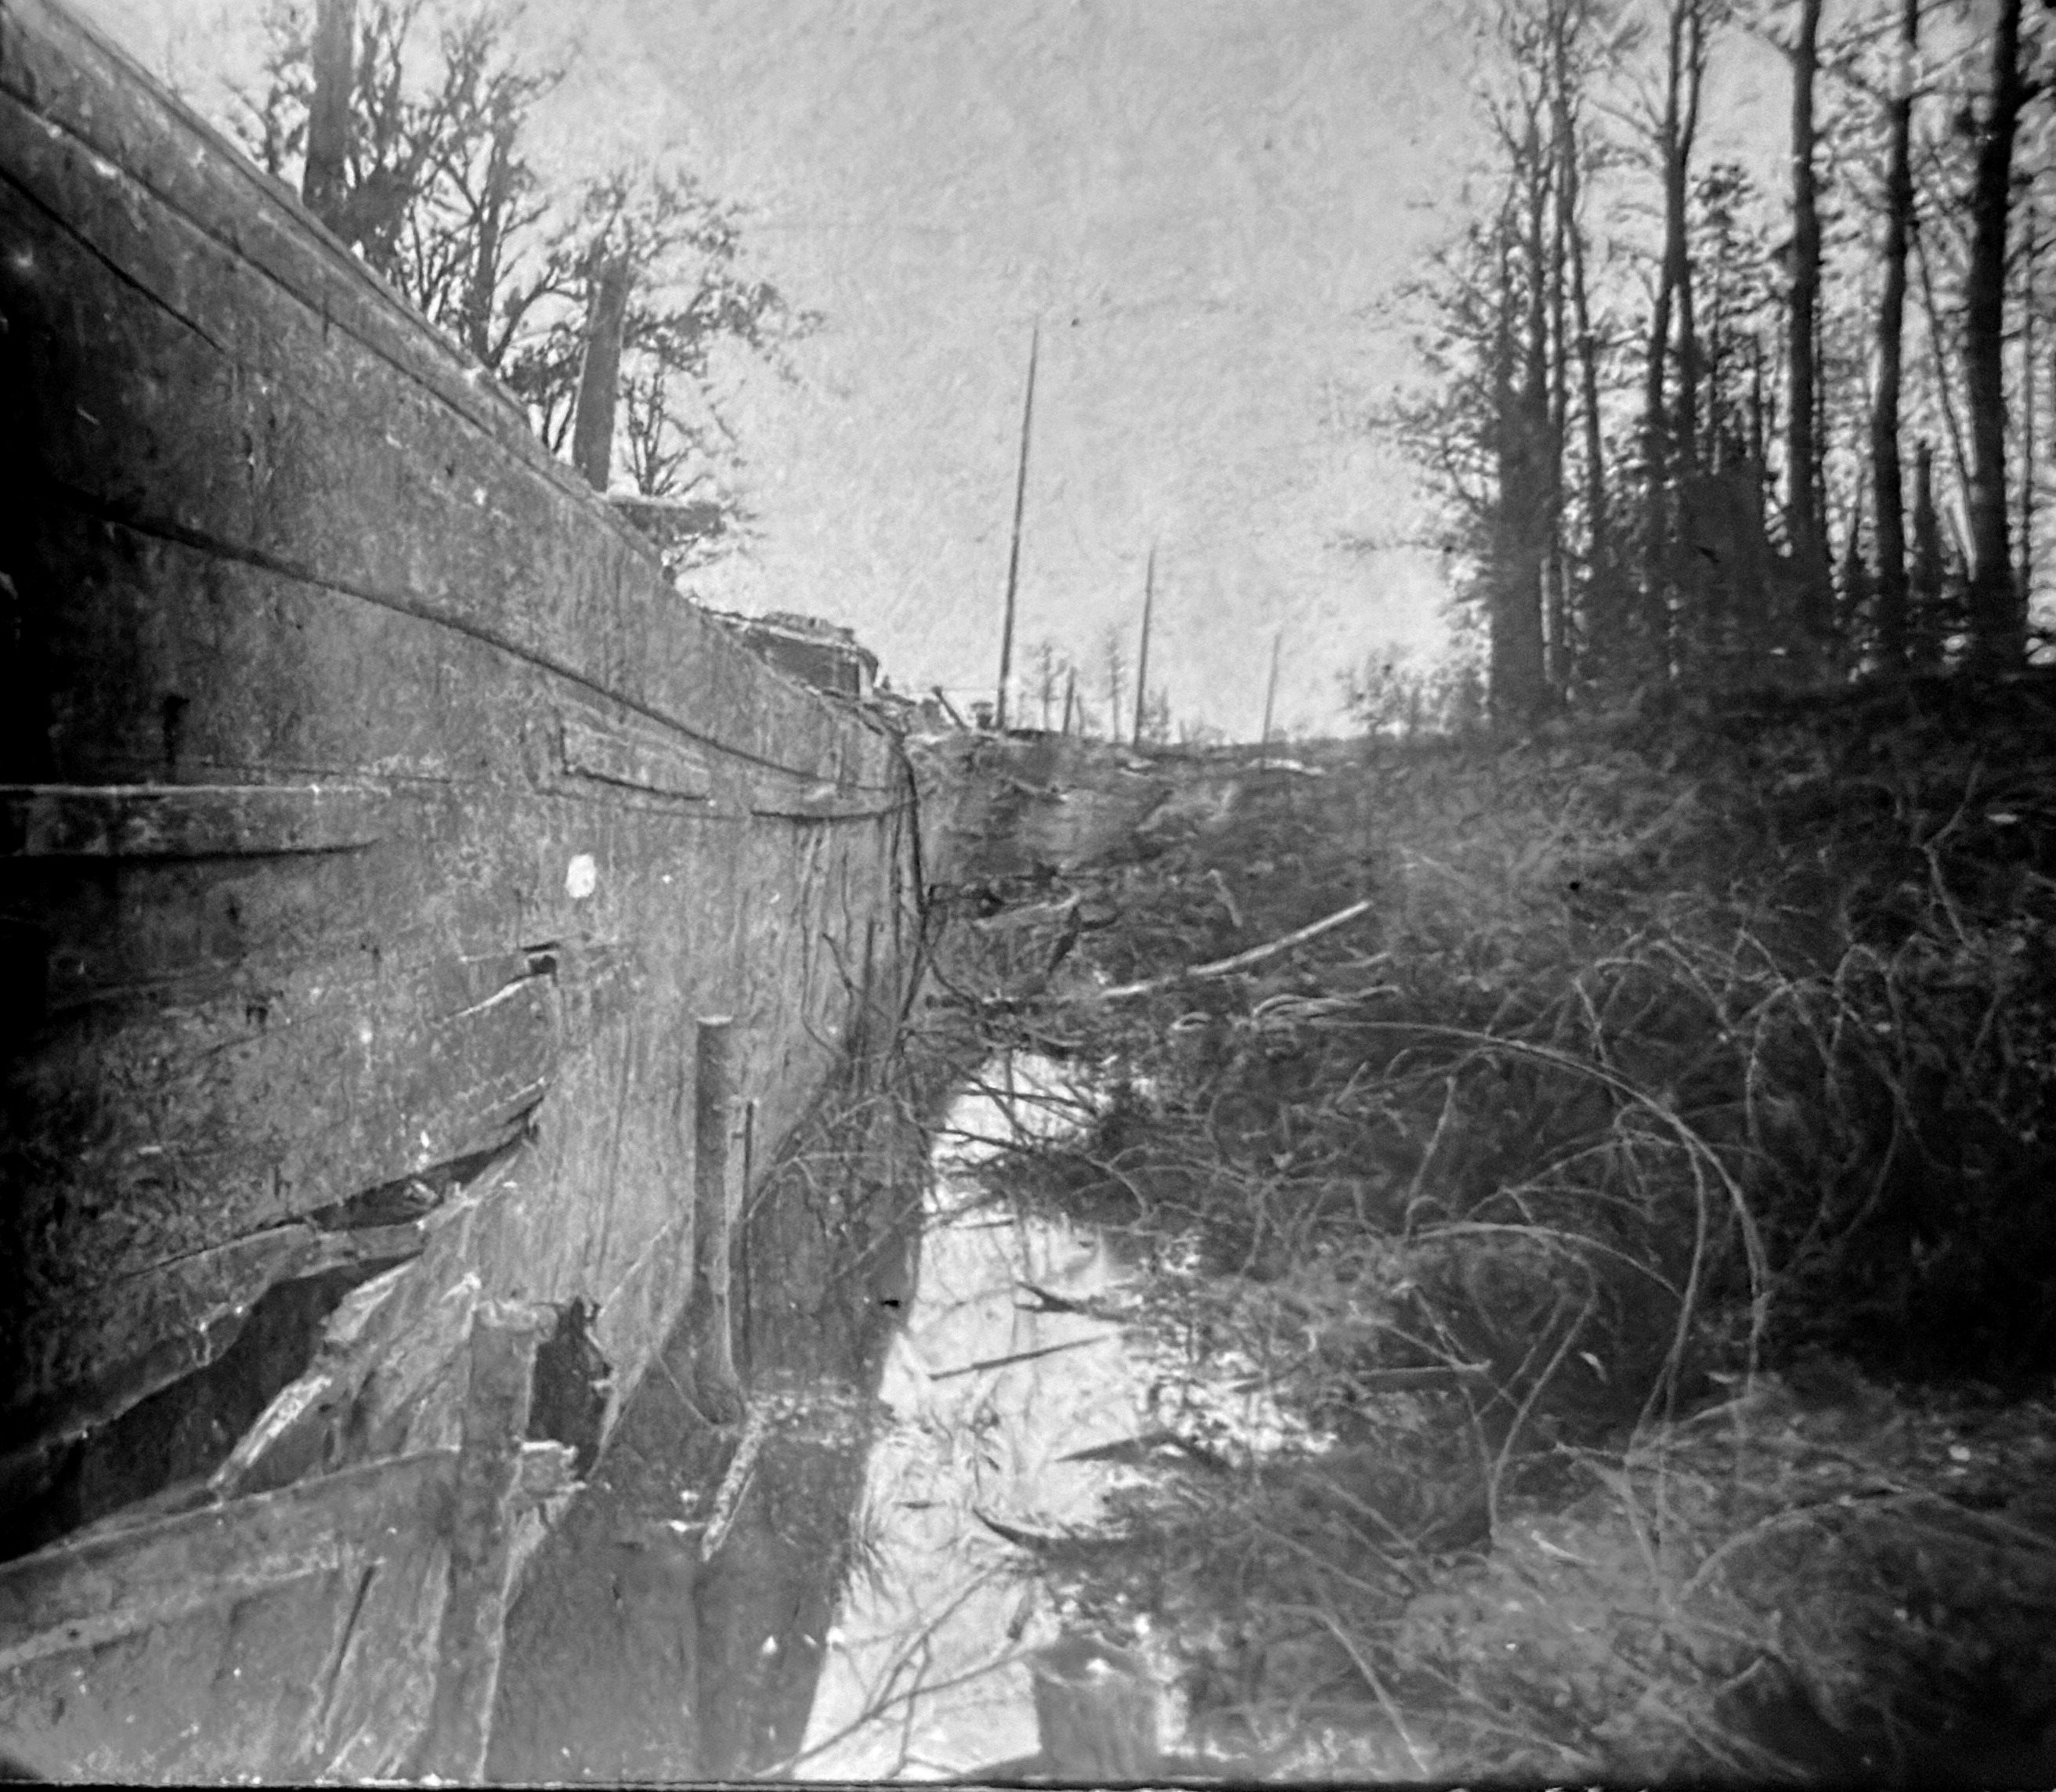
{"x": 376, "y": 824}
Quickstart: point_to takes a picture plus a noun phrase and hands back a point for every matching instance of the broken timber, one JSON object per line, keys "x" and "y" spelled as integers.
{"x": 481, "y": 1537}
{"x": 124, "y": 1578}
{"x": 374, "y": 818}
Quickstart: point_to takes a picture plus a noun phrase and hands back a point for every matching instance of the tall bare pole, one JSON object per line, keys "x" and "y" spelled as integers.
{"x": 1142, "y": 653}
{"x": 2029, "y": 248}
{"x": 1070, "y": 699}
{"x": 1014, "y": 553}
{"x": 599, "y": 378}
{"x": 325, "y": 183}
{"x": 1270, "y": 691}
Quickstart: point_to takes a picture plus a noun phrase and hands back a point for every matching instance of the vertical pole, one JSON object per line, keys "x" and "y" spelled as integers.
{"x": 325, "y": 181}
{"x": 1270, "y": 691}
{"x": 1014, "y": 553}
{"x": 743, "y": 1320}
{"x": 470, "y": 1636}
{"x": 599, "y": 378}
{"x": 719, "y": 1389}
{"x": 1070, "y": 698}
{"x": 1142, "y": 655}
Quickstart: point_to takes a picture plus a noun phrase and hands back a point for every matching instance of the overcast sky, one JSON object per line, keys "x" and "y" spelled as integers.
{"x": 1201, "y": 201}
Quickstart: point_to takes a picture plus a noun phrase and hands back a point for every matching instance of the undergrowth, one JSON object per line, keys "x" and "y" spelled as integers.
{"x": 1585, "y": 1291}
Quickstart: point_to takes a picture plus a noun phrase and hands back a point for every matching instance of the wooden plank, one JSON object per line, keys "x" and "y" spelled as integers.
{"x": 134, "y": 1571}
{"x": 182, "y": 1317}
{"x": 186, "y": 821}
{"x": 77, "y": 1595}
{"x": 363, "y": 1085}
{"x": 269, "y": 432}
{"x": 340, "y": 1083}
{"x": 378, "y": 1351}
{"x": 669, "y": 767}
{"x": 481, "y": 1535}
{"x": 772, "y": 797}
{"x": 91, "y": 1351}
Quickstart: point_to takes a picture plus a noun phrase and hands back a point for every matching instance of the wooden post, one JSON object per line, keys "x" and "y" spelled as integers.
{"x": 592, "y": 424}
{"x": 718, "y": 1388}
{"x": 1142, "y": 656}
{"x": 325, "y": 182}
{"x": 1270, "y": 693}
{"x": 1014, "y": 553}
{"x": 1095, "y": 1711}
{"x": 1070, "y": 698}
{"x": 483, "y": 1505}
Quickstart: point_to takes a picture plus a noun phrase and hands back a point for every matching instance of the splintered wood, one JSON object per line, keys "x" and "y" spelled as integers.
{"x": 717, "y": 1385}
{"x": 481, "y": 1541}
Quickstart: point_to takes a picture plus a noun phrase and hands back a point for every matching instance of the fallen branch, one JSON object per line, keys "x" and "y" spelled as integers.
{"x": 1256, "y": 954}
{"x": 1017, "y": 1356}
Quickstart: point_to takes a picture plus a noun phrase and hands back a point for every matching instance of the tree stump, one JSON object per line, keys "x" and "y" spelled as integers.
{"x": 1095, "y": 1711}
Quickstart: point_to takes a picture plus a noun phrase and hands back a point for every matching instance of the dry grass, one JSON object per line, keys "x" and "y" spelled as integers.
{"x": 1675, "y": 1066}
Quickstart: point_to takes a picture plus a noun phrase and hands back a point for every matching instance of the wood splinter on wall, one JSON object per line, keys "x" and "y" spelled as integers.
{"x": 717, "y": 1387}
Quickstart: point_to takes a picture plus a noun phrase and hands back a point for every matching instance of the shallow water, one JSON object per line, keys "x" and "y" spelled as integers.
{"x": 925, "y": 1675}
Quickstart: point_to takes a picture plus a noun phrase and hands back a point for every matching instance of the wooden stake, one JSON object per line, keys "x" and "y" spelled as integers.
{"x": 1142, "y": 656}
{"x": 719, "y": 1388}
{"x": 1271, "y": 692}
{"x": 142, "y": 1568}
{"x": 1014, "y": 553}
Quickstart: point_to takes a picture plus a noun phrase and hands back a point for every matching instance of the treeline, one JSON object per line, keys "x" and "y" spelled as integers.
{"x": 1690, "y": 424}
{"x": 1098, "y": 696}
{"x": 599, "y": 298}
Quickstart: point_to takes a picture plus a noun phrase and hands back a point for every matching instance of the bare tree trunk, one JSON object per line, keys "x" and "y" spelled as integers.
{"x": 1997, "y": 638}
{"x": 1600, "y": 616}
{"x": 1887, "y": 473}
{"x": 1519, "y": 685}
{"x": 2030, "y": 250}
{"x": 483, "y": 281}
{"x": 1810, "y": 550}
{"x": 1597, "y": 522}
{"x": 1541, "y": 447}
{"x": 1655, "y": 418}
{"x": 1924, "y": 622}
{"x": 1558, "y": 632}
{"x": 1759, "y": 427}
{"x": 1686, "y": 439}
{"x": 325, "y": 182}
{"x": 592, "y": 430}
